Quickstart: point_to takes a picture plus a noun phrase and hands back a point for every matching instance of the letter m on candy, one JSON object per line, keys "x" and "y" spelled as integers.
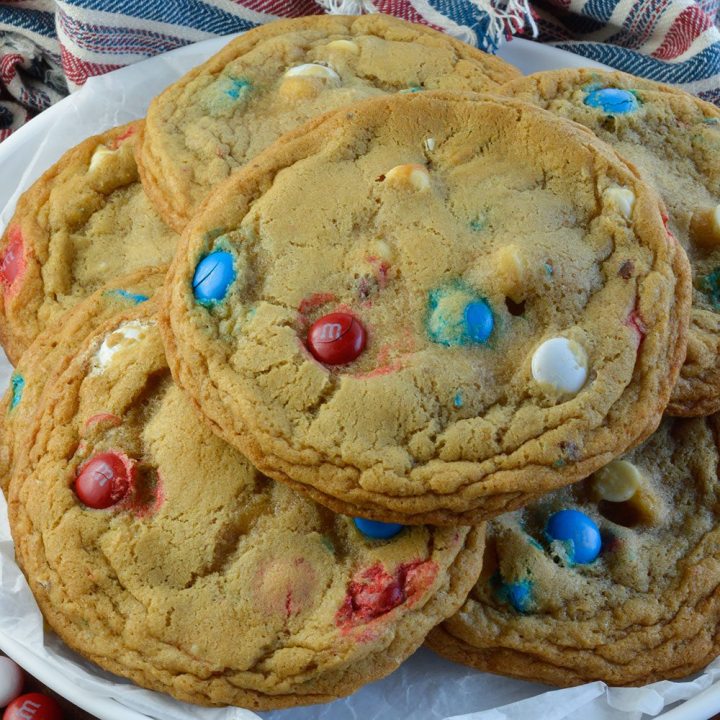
{"x": 330, "y": 332}
{"x": 27, "y": 710}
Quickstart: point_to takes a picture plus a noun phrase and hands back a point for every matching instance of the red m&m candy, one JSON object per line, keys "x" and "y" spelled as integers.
{"x": 12, "y": 260}
{"x": 336, "y": 339}
{"x": 33, "y": 706}
{"x": 105, "y": 479}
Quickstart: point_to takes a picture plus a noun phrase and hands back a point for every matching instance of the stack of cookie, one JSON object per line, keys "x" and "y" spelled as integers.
{"x": 409, "y": 292}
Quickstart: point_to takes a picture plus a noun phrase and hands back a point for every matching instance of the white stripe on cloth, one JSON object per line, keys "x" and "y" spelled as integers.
{"x": 698, "y": 86}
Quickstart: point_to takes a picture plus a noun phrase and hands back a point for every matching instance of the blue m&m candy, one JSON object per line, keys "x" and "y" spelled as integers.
{"x": 377, "y": 530}
{"x": 580, "y": 533}
{"x": 613, "y": 101}
{"x": 17, "y": 383}
{"x": 519, "y": 595}
{"x": 213, "y": 276}
{"x": 478, "y": 320}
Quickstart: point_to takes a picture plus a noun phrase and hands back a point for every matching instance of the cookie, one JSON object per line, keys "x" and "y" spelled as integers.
{"x": 50, "y": 354}
{"x": 273, "y": 78}
{"x": 616, "y": 578}
{"x": 157, "y": 551}
{"x": 674, "y": 140}
{"x": 83, "y": 224}
{"x": 430, "y": 308}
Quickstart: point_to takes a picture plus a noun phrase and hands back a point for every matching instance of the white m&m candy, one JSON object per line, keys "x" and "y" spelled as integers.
{"x": 115, "y": 341}
{"x": 307, "y": 81}
{"x": 12, "y": 680}
{"x": 313, "y": 70}
{"x": 560, "y": 365}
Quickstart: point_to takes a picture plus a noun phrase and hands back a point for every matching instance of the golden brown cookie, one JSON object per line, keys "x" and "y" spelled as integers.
{"x": 674, "y": 140}
{"x": 277, "y": 76}
{"x": 157, "y": 551}
{"x": 430, "y": 308}
{"x": 616, "y": 578}
{"x": 83, "y": 224}
{"x": 50, "y": 353}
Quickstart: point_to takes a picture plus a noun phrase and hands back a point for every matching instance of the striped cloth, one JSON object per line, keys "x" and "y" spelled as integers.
{"x": 51, "y": 47}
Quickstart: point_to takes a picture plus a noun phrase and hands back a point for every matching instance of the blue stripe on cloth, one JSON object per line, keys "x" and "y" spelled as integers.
{"x": 119, "y": 40}
{"x": 34, "y": 21}
{"x": 702, "y": 66}
{"x": 192, "y": 13}
{"x": 600, "y": 10}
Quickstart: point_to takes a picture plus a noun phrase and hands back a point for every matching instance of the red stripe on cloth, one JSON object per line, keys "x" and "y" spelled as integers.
{"x": 7, "y": 66}
{"x": 686, "y": 28}
{"x": 282, "y": 8}
{"x": 405, "y": 11}
{"x": 641, "y": 23}
{"x": 78, "y": 71}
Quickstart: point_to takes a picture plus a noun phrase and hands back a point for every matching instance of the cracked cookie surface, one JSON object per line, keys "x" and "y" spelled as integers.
{"x": 84, "y": 223}
{"x": 274, "y": 78}
{"x": 430, "y": 308}
{"x": 674, "y": 140}
{"x": 645, "y": 609}
{"x": 156, "y": 550}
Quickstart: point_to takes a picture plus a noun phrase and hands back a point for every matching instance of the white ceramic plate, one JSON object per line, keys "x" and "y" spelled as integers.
{"x": 425, "y": 680}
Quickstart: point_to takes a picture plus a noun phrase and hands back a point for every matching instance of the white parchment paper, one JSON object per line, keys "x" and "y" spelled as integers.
{"x": 426, "y": 687}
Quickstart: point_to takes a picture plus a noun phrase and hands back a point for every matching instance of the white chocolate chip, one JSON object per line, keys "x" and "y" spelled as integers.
{"x": 381, "y": 250}
{"x": 99, "y": 156}
{"x": 618, "y": 481}
{"x": 313, "y": 70}
{"x": 705, "y": 227}
{"x": 511, "y": 271}
{"x": 411, "y": 174}
{"x": 560, "y": 364}
{"x": 621, "y": 198}
{"x": 344, "y": 46}
{"x": 649, "y": 504}
{"x": 429, "y": 144}
{"x": 127, "y": 333}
